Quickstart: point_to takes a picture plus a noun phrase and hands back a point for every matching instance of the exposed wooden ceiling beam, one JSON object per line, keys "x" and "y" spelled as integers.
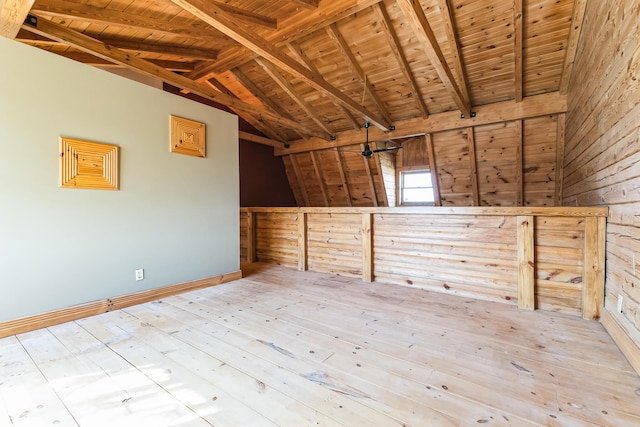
{"x": 579, "y": 7}
{"x": 317, "y": 167}
{"x": 160, "y": 48}
{"x": 301, "y": 181}
{"x": 367, "y": 172}
{"x": 12, "y": 15}
{"x": 260, "y": 96}
{"x": 87, "y": 44}
{"x": 433, "y": 169}
{"x": 403, "y": 63}
{"x": 454, "y": 47}
{"x": 293, "y": 28}
{"x": 297, "y": 52}
{"x": 343, "y": 177}
{"x": 259, "y": 139}
{"x": 249, "y": 16}
{"x": 288, "y": 88}
{"x": 129, "y": 45}
{"x": 215, "y": 17}
{"x": 518, "y": 21}
{"x": 531, "y": 106}
{"x": 519, "y": 143}
{"x": 89, "y": 59}
{"x": 88, "y": 13}
{"x": 343, "y": 46}
{"x": 308, "y": 4}
{"x": 418, "y": 21}
{"x": 473, "y": 166}
{"x": 257, "y": 124}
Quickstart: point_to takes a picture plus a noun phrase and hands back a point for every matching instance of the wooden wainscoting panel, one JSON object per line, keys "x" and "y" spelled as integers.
{"x": 334, "y": 243}
{"x": 463, "y": 255}
{"x": 559, "y": 263}
{"x": 277, "y": 238}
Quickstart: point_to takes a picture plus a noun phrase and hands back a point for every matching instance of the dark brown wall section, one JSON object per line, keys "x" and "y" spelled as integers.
{"x": 263, "y": 180}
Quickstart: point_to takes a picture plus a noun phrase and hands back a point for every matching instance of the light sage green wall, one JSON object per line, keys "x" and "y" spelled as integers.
{"x": 175, "y": 216}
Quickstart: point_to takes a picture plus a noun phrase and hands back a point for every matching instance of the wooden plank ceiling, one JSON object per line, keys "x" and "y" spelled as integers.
{"x": 308, "y": 74}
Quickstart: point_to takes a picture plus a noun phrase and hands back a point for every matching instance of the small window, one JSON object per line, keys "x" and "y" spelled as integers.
{"x": 416, "y": 187}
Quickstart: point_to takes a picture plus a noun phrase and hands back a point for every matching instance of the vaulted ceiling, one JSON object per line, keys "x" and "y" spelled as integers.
{"x": 314, "y": 71}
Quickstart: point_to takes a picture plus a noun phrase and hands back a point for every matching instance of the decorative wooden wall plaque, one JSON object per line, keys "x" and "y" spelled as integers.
{"x": 188, "y": 137}
{"x": 85, "y": 164}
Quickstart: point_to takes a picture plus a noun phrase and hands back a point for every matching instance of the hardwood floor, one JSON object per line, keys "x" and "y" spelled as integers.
{"x": 282, "y": 347}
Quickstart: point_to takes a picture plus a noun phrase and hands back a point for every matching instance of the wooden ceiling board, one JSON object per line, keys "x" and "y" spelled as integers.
{"x": 474, "y": 44}
{"x": 485, "y": 33}
{"x": 371, "y": 51}
{"x": 435, "y": 95}
{"x": 546, "y": 34}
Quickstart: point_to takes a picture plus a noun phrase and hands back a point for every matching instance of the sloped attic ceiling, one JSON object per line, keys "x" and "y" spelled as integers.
{"x": 319, "y": 68}
{"x": 308, "y": 74}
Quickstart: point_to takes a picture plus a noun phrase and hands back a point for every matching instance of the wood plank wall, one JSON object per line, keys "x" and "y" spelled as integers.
{"x": 602, "y": 153}
{"x": 472, "y": 252}
{"x": 510, "y": 163}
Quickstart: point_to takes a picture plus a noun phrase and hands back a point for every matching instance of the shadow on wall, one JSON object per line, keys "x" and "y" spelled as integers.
{"x": 263, "y": 180}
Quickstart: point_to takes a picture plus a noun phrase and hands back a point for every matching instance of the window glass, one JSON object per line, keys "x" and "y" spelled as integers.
{"x": 416, "y": 187}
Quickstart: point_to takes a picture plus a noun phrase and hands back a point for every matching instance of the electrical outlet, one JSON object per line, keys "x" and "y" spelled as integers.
{"x": 140, "y": 274}
{"x": 620, "y": 303}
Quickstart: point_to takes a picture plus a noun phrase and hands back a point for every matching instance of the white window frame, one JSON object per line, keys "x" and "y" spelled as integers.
{"x": 401, "y": 187}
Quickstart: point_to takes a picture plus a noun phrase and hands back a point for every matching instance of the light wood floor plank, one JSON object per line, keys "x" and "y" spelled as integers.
{"x": 203, "y": 398}
{"x": 98, "y": 397}
{"x": 220, "y": 342}
{"x": 507, "y": 381}
{"x": 351, "y": 364}
{"x": 27, "y": 397}
{"x": 289, "y": 348}
{"x": 224, "y": 383}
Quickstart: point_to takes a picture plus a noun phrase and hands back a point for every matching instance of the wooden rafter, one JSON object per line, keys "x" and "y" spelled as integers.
{"x": 343, "y": 46}
{"x": 301, "y": 182}
{"x": 560, "y": 142}
{"x": 418, "y": 21}
{"x": 433, "y": 168}
{"x": 454, "y": 47}
{"x": 258, "y": 139}
{"x": 129, "y": 45}
{"x": 308, "y": 4}
{"x": 88, "y": 59}
{"x": 343, "y": 177}
{"x": 110, "y": 53}
{"x": 260, "y": 96}
{"x": 215, "y": 17}
{"x": 519, "y": 166}
{"x": 93, "y": 14}
{"x": 159, "y": 48}
{"x": 372, "y": 186}
{"x": 518, "y": 21}
{"x": 12, "y": 15}
{"x": 297, "y": 52}
{"x": 579, "y": 7}
{"x": 248, "y": 15}
{"x": 403, "y": 63}
{"x": 295, "y": 27}
{"x": 473, "y": 167}
{"x": 531, "y": 106}
{"x": 256, "y": 123}
{"x": 288, "y": 88}
{"x": 318, "y": 170}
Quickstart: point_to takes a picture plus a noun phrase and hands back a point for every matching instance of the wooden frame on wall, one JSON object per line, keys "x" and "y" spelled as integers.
{"x": 187, "y": 137}
{"x": 88, "y": 165}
